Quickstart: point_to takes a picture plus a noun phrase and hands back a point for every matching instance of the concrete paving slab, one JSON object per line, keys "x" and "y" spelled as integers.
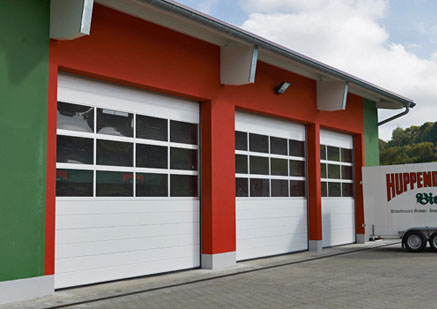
{"x": 132, "y": 287}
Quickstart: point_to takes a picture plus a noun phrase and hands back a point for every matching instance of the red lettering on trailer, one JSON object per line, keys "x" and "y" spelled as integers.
{"x": 427, "y": 179}
{"x": 390, "y": 180}
{"x": 412, "y": 180}
{"x": 406, "y": 181}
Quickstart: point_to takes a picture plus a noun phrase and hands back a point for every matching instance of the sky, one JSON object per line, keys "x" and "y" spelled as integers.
{"x": 391, "y": 43}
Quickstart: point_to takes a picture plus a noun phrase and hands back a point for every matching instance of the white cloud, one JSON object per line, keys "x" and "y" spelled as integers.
{"x": 206, "y": 6}
{"x": 348, "y": 35}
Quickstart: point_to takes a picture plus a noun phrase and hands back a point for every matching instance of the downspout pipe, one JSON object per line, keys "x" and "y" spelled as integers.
{"x": 407, "y": 109}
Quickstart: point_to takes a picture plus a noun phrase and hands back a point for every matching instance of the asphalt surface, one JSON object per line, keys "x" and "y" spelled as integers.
{"x": 385, "y": 277}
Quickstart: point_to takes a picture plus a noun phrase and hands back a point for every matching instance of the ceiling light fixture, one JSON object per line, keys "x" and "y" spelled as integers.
{"x": 282, "y": 87}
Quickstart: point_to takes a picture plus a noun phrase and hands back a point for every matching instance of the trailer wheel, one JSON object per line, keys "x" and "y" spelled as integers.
{"x": 433, "y": 241}
{"x": 415, "y": 241}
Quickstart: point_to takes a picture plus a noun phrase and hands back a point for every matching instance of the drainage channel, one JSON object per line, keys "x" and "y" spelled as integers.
{"x": 217, "y": 277}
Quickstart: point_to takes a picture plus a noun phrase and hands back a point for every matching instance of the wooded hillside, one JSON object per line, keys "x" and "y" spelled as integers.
{"x": 411, "y": 145}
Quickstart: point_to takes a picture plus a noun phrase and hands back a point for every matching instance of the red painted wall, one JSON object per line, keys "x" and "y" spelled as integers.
{"x": 129, "y": 51}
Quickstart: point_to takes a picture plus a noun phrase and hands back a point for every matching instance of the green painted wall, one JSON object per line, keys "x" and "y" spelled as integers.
{"x": 24, "y": 48}
{"x": 371, "y": 140}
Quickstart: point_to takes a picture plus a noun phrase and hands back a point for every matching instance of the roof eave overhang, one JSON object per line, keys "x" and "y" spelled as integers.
{"x": 206, "y": 28}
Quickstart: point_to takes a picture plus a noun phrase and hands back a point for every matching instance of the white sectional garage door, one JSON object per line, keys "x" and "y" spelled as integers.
{"x": 338, "y": 203}
{"x": 126, "y": 183}
{"x": 271, "y": 204}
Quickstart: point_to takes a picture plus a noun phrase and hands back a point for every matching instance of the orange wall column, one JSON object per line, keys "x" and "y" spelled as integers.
{"x": 359, "y": 205}
{"x": 314, "y": 188}
{"x": 218, "y": 184}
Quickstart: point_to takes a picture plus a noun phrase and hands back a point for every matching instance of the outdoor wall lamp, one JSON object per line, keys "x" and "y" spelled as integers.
{"x": 282, "y": 87}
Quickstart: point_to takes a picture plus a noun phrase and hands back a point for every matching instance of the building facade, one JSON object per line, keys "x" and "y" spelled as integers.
{"x": 160, "y": 141}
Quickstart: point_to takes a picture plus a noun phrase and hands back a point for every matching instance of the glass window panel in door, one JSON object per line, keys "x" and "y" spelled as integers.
{"x": 75, "y": 117}
{"x": 278, "y": 145}
{"x": 297, "y": 188}
{"x": 323, "y": 170}
{"x": 334, "y": 189}
{"x": 241, "y": 187}
{"x": 297, "y": 168}
{"x": 259, "y": 187}
{"x": 279, "y": 167}
{"x": 183, "y": 132}
{"x": 297, "y": 148}
{"x": 258, "y": 143}
{"x": 259, "y": 165}
{"x": 240, "y": 140}
{"x": 114, "y": 122}
{"x": 241, "y": 164}
{"x": 74, "y": 182}
{"x": 74, "y": 150}
{"x": 346, "y": 155}
{"x": 322, "y": 152}
{"x": 114, "y": 153}
{"x": 148, "y": 184}
{"x": 183, "y": 159}
{"x": 151, "y": 156}
{"x": 333, "y": 171}
{"x": 346, "y": 172}
{"x": 279, "y": 187}
{"x": 324, "y": 189}
{"x": 152, "y": 128}
{"x": 114, "y": 183}
{"x": 347, "y": 189}
{"x": 183, "y": 185}
{"x": 333, "y": 153}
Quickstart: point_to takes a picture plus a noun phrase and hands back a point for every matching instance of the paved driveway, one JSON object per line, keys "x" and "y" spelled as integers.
{"x": 386, "y": 277}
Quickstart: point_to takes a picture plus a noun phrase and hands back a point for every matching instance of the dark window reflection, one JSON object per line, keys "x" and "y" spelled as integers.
{"x": 114, "y": 184}
{"x": 74, "y": 182}
{"x": 183, "y": 132}
{"x": 259, "y": 165}
{"x": 279, "y": 167}
{"x": 148, "y": 184}
{"x": 297, "y": 188}
{"x": 346, "y": 172}
{"x": 278, "y": 146}
{"x": 333, "y": 171}
{"x": 346, "y": 155}
{"x": 259, "y": 187}
{"x": 74, "y": 150}
{"x": 240, "y": 140}
{"x": 151, "y": 156}
{"x": 258, "y": 143}
{"x": 324, "y": 189}
{"x": 151, "y": 128}
{"x": 333, "y": 153}
{"x": 241, "y": 187}
{"x": 297, "y": 148}
{"x": 347, "y": 189}
{"x": 322, "y": 152}
{"x": 183, "y": 159}
{"x": 114, "y": 153}
{"x": 279, "y": 187}
{"x": 240, "y": 164}
{"x": 323, "y": 170}
{"x": 75, "y": 117}
{"x": 334, "y": 189}
{"x": 297, "y": 168}
{"x": 183, "y": 185}
{"x": 114, "y": 122}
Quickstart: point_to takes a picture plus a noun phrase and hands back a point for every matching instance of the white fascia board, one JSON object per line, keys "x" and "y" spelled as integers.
{"x": 331, "y": 95}
{"x": 238, "y": 64}
{"x": 70, "y": 19}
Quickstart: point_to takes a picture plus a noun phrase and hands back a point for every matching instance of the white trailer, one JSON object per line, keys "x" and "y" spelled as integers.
{"x": 401, "y": 201}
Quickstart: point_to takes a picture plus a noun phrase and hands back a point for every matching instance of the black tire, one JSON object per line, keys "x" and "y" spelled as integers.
{"x": 415, "y": 241}
{"x": 433, "y": 242}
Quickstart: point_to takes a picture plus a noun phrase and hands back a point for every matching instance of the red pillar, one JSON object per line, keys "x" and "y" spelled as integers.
{"x": 359, "y": 205}
{"x": 49, "y": 261}
{"x": 218, "y": 184}
{"x": 314, "y": 187}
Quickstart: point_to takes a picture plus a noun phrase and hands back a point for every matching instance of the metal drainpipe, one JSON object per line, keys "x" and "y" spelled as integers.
{"x": 407, "y": 109}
